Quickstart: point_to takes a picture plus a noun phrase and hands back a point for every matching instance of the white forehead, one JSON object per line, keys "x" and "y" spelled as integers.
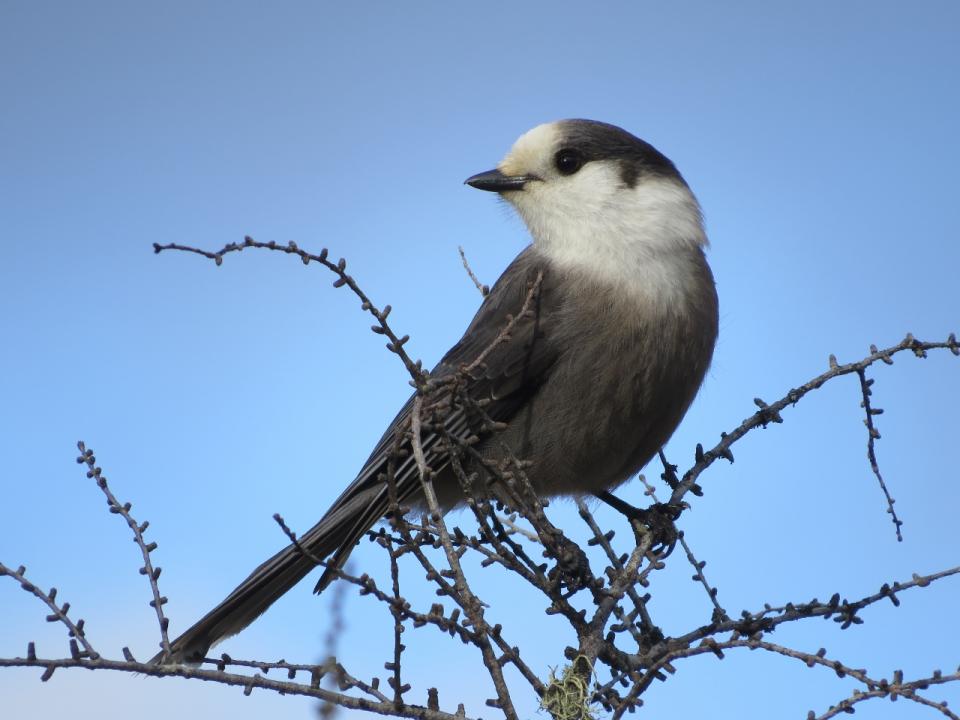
{"x": 531, "y": 149}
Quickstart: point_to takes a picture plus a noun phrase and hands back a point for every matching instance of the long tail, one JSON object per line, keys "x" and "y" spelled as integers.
{"x": 336, "y": 534}
{"x": 358, "y": 508}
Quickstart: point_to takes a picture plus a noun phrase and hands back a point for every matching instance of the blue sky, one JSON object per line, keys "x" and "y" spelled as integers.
{"x": 820, "y": 140}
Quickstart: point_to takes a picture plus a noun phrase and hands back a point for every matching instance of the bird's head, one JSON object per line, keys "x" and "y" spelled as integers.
{"x": 594, "y": 195}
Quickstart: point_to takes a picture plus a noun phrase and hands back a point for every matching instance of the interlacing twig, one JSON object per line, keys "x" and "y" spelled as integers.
{"x": 616, "y": 648}
{"x": 770, "y": 413}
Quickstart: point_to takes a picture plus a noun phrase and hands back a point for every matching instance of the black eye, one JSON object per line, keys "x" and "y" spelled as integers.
{"x": 568, "y": 161}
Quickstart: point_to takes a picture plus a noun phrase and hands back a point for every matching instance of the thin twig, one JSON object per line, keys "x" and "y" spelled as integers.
{"x": 58, "y": 613}
{"x": 123, "y": 510}
{"x": 872, "y": 435}
{"x": 339, "y": 269}
{"x": 384, "y": 707}
{"x": 464, "y": 595}
{"x": 771, "y": 413}
{"x": 484, "y": 289}
{"x": 697, "y": 565}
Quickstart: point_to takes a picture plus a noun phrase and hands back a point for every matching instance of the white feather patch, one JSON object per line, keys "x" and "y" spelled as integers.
{"x": 639, "y": 240}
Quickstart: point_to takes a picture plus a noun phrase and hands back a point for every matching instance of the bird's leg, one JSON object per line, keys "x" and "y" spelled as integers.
{"x": 658, "y": 519}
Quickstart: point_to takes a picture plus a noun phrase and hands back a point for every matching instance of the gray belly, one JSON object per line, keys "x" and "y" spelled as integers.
{"x": 604, "y": 411}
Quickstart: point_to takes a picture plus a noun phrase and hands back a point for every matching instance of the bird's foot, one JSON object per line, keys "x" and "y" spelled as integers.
{"x": 657, "y": 521}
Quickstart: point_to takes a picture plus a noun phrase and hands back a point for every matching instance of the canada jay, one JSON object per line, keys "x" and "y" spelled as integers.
{"x": 595, "y": 376}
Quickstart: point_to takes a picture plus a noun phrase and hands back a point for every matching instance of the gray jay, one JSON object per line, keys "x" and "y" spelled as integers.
{"x": 595, "y": 377}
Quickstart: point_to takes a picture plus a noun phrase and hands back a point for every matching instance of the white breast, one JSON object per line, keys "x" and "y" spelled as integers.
{"x": 638, "y": 240}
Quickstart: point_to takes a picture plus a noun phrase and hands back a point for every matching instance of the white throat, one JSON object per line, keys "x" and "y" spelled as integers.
{"x": 637, "y": 240}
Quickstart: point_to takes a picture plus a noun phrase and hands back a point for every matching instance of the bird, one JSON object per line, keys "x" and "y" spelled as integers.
{"x": 613, "y": 315}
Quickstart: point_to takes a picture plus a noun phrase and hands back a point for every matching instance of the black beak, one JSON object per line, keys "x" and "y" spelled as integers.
{"x": 496, "y": 181}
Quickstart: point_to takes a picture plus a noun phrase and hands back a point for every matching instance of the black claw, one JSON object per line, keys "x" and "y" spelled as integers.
{"x": 658, "y": 519}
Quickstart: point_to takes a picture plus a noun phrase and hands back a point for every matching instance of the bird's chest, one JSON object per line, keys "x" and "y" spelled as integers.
{"x": 616, "y": 346}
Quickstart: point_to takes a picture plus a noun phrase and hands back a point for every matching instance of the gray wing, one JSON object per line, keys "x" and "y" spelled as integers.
{"x": 511, "y": 372}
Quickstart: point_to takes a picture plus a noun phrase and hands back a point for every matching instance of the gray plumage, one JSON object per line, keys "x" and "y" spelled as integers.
{"x": 593, "y": 380}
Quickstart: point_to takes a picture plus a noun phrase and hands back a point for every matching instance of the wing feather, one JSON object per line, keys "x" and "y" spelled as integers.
{"x": 509, "y": 374}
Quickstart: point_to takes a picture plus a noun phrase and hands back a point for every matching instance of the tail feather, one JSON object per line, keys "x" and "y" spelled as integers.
{"x": 336, "y": 532}
{"x": 360, "y": 506}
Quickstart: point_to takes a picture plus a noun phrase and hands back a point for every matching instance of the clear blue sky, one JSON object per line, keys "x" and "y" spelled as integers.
{"x": 821, "y": 141}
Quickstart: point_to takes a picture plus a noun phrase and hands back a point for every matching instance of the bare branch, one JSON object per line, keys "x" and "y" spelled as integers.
{"x": 617, "y": 650}
{"x": 872, "y": 435}
{"x": 771, "y": 413}
{"x": 339, "y": 269}
{"x": 484, "y": 289}
{"x": 123, "y": 510}
{"x": 58, "y": 613}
